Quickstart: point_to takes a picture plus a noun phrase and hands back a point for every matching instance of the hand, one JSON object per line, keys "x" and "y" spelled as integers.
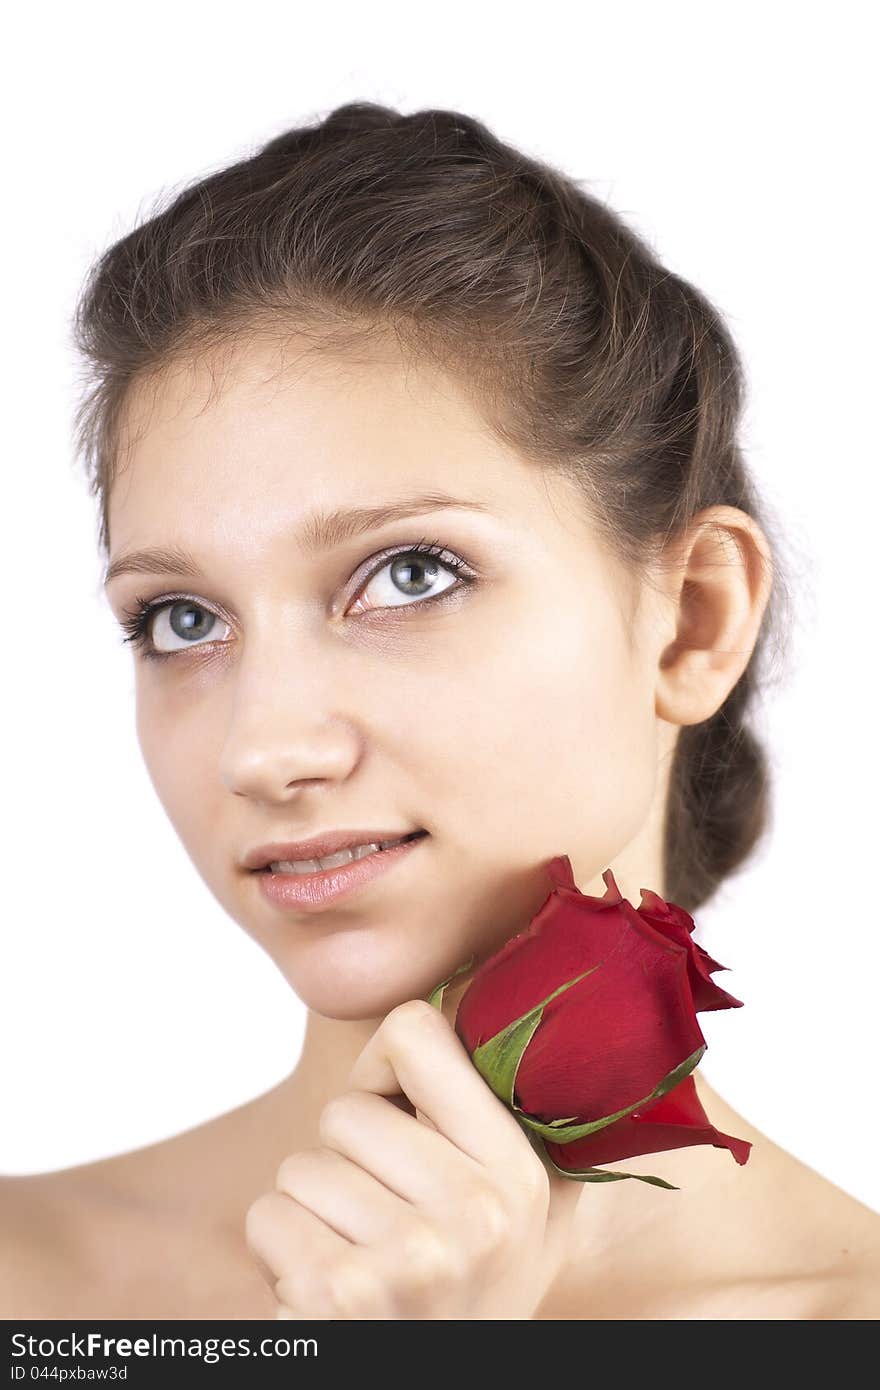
{"x": 446, "y": 1213}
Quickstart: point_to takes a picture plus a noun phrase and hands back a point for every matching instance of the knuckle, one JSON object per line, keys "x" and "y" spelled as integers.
{"x": 412, "y": 1013}
{"x": 287, "y": 1290}
{"x": 338, "y": 1115}
{"x": 292, "y": 1290}
{"x": 531, "y": 1186}
{"x": 289, "y": 1170}
{"x": 487, "y": 1221}
{"x": 258, "y": 1219}
{"x": 350, "y": 1286}
{"x": 430, "y": 1260}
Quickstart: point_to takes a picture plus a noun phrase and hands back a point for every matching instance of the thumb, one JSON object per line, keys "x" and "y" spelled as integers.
{"x": 449, "y": 1007}
{"x": 456, "y": 989}
{"x": 565, "y": 1193}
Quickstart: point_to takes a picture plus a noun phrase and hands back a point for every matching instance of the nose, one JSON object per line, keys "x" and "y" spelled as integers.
{"x": 285, "y": 732}
{"x": 273, "y": 762}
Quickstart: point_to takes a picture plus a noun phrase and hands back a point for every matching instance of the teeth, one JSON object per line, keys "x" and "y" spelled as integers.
{"x": 331, "y": 861}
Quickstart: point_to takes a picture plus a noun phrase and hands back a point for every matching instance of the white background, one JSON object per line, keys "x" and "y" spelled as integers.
{"x": 739, "y": 140}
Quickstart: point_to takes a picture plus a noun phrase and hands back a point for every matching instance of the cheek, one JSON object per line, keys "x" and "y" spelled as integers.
{"x": 544, "y": 733}
{"x": 181, "y": 759}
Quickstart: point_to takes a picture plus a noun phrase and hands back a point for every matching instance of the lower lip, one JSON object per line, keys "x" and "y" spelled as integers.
{"x": 312, "y": 892}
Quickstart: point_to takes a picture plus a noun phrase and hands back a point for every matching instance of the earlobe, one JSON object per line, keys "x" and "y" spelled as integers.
{"x": 723, "y": 576}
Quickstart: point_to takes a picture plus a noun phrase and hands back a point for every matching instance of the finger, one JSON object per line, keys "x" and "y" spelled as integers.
{"x": 280, "y": 1234}
{"x": 416, "y": 1050}
{"x": 338, "y": 1190}
{"x": 313, "y": 1271}
{"x": 355, "y": 1285}
{"x": 411, "y": 1160}
{"x": 457, "y": 987}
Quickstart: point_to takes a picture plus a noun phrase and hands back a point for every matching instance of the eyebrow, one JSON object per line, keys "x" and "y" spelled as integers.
{"x": 321, "y": 531}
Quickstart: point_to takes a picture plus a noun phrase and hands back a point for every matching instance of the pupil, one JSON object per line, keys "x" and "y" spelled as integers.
{"x": 402, "y": 570}
{"x": 187, "y": 620}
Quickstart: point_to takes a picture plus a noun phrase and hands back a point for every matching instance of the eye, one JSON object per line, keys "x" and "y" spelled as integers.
{"x": 413, "y": 574}
{"x": 412, "y": 580}
{"x": 181, "y": 621}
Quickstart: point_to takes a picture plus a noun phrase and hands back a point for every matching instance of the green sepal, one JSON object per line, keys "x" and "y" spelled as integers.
{"x": 608, "y": 1175}
{"x": 563, "y": 1133}
{"x": 436, "y": 995}
{"x": 498, "y": 1059}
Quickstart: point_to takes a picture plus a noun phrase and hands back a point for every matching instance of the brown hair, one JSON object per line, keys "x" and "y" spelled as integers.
{"x": 585, "y": 353}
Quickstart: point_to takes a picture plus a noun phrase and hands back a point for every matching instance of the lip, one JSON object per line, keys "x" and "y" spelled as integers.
{"x": 319, "y": 846}
{"x": 314, "y": 892}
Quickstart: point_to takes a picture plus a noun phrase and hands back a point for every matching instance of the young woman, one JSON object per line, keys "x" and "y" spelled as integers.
{"x": 425, "y": 515}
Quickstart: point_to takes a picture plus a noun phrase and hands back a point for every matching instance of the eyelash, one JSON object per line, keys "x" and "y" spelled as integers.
{"x": 136, "y": 621}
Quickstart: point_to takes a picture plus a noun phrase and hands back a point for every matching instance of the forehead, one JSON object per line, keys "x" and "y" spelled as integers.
{"x": 263, "y": 425}
{"x": 261, "y": 372}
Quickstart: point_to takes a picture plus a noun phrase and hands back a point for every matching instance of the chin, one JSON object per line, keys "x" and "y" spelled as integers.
{"x": 349, "y": 995}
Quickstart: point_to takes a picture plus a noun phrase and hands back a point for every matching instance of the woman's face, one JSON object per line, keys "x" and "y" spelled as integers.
{"x": 313, "y": 689}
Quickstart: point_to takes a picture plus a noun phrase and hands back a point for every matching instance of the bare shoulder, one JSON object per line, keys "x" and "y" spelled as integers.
{"x": 34, "y": 1224}
{"x": 824, "y": 1255}
{"x": 852, "y": 1285}
{"x": 51, "y": 1225}
{"x": 846, "y": 1235}
{"x": 800, "y": 1246}
{"x": 825, "y": 1246}
{"x": 156, "y": 1232}
{"x": 854, "y": 1296}
{"x": 773, "y": 1239}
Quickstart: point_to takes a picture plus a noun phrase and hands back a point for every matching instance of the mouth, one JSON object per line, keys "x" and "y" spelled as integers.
{"x": 312, "y": 890}
{"x": 313, "y": 868}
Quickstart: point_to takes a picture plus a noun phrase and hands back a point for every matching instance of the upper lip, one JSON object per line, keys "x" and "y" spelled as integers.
{"x": 318, "y": 846}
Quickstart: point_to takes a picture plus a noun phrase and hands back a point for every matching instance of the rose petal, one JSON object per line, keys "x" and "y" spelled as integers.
{"x": 678, "y": 926}
{"x": 674, "y": 1121}
{"x": 561, "y": 872}
{"x": 610, "y": 1039}
{"x": 570, "y": 932}
{"x": 561, "y": 942}
{"x": 707, "y": 993}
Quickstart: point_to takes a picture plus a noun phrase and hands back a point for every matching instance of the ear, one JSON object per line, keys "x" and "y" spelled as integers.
{"x": 718, "y": 576}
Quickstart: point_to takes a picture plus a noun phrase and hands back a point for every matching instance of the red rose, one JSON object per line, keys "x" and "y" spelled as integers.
{"x": 585, "y": 1024}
